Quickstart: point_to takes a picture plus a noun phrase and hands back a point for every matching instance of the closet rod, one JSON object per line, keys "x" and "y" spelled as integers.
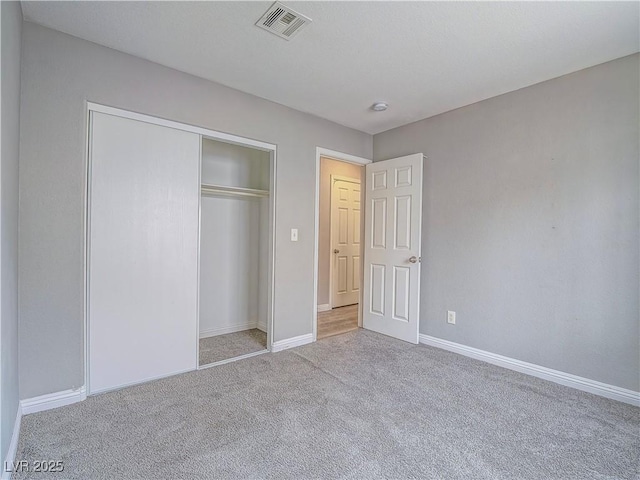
{"x": 206, "y": 189}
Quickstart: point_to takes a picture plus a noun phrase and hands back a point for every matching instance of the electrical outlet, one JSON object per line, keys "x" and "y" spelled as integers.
{"x": 294, "y": 234}
{"x": 451, "y": 317}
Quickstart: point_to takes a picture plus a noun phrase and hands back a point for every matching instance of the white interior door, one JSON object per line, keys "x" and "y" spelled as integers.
{"x": 393, "y": 224}
{"x": 143, "y": 260}
{"x": 345, "y": 241}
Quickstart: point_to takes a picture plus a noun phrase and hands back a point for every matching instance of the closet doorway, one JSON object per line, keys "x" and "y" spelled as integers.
{"x": 179, "y": 248}
{"x": 340, "y": 230}
{"x": 235, "y": 236}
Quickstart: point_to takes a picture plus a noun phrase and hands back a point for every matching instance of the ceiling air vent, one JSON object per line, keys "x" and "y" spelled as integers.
{"x": 282, "y": 21}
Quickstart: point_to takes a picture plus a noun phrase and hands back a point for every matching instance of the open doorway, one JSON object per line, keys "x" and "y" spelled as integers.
{"x": 340, "y": 233}
{"x": 390, "y": 248}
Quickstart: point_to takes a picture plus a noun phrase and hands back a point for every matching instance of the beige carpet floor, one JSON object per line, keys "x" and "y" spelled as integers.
{"x": 230, "y": 345}
{"x": 352, "y": 406}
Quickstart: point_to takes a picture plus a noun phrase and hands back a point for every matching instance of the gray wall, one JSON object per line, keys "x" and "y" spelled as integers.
{"x": 531, "y": 222}
{"x": 11, "y": 40}
{"x": 60, "y": 73}
{"x": 330, "y": 167}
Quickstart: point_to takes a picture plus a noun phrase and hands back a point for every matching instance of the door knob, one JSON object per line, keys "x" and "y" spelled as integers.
{"x": 414, "y": 259}
{"x": 335, "y": 250}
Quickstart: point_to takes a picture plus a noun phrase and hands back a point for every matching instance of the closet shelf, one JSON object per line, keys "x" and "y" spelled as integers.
{"x": 216, "y": 190}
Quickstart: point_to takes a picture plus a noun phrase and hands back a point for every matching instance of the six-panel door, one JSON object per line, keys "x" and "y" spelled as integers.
{"x": 392, "y": 247}
{"x": 345, "y": 241}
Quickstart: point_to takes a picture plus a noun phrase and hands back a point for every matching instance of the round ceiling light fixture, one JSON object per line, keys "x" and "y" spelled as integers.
{"x": 379, "y": 107}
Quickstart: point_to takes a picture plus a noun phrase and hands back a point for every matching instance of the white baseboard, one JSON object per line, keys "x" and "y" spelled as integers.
{"x": 292, "y": 342}
{"x": 237, "y": 327}
{"x": 52, "y": 400}
{"x": 13, "y": 447}
{"x": 325, "y": 307}
{"x": 566, "y": 379}
{"x": 262, "y": 327}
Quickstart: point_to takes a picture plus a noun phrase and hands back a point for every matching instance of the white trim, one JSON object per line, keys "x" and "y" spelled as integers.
{"x": 229, "y": 360}
{"x": 13, "y": 446}
{"x": 225, "y": 137}
{"x": 343, "y": 157}
{"x": 52, "y": 400}
{"x": 196, "y": 360}
{"x": 566, "y": 379}
{"x": 87, "y": 246}
{"x": 236, "y": 327}
{"x": 292, "y": 342}
{"x": 273, "y": 170}
{"x": 325, "y": 307}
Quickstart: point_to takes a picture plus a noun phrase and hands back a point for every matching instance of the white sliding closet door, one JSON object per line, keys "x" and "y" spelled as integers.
{"x": 143, "y": 251}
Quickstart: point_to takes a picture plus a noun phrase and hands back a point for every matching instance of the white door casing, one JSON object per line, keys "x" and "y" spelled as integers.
{"x": 393, "y": 228}
{"x": 345, "y": 241}
{"x": 143, "y": 251}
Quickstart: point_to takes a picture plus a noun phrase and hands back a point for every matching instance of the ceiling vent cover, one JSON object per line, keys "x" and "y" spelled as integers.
{"x": 283, "y": 21}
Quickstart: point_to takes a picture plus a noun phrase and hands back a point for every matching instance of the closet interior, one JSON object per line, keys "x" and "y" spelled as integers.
{"x": 234, "y": 269}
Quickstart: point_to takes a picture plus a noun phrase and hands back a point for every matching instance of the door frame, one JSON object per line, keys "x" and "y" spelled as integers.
{"x": 332, "y": 179}
{"x": 202, "y": 132}
{"x": 341, "y": 157}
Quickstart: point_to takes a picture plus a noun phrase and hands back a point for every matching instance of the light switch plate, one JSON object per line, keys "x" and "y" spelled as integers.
{"x": 451, "y": 317}
{"x": 294, "y": 234}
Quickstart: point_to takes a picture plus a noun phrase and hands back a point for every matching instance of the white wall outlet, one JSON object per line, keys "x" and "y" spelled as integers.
{"x": 294, "y": 234}
{"x": 451, "y": 317}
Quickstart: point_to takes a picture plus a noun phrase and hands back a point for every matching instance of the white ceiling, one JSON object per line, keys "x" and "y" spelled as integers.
{"x": 423, "y": 58}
